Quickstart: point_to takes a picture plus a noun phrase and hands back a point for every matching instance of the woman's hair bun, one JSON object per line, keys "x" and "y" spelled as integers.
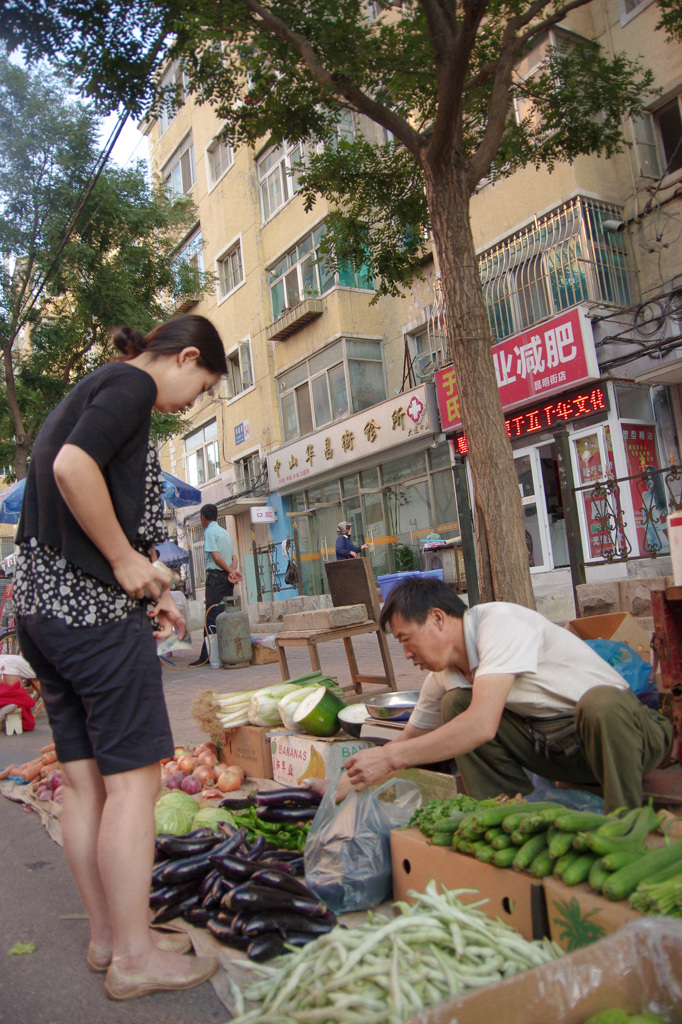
{"x": 128, "y": 341}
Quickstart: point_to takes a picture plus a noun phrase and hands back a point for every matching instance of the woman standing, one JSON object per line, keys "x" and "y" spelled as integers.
{"x": 85, "y": 592}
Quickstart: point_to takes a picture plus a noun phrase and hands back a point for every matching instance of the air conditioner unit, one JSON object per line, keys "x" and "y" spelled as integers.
{"x": 445, "y": 559}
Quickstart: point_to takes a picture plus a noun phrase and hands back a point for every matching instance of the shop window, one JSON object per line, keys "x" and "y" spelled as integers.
{"x": 174, "y": 86}
{"x": 230, "y": 270}
{"x": 202, "y": 454}
{"x": 179, "y": 174}
{"x": 560, "y": 260}
{"x": 344, "y": 378}
{"x": 220, "y": 157}
{"x": 302, "y": 274}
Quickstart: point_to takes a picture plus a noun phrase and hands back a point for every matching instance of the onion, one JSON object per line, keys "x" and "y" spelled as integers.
{"x": 186, "y": 763}
{"x": 228, "y": 781}
{"x": 206, "y": 758}
{"x": 204, "y": 773}
{"x": 55, "y": 779}
{"x": 43, "y": 793}
{"x": 172, "y": 782}
{"x": 191, "y": 785}
{"x": 210, "y": 746}
{"x": 165, "y": 760}
{"x": 170, "y": 766}
{"x": 236, "y": 770}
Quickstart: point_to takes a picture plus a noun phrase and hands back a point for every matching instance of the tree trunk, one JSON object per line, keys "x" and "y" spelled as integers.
{"x": 498, "y": 519}
{"x": 23, "y": 449}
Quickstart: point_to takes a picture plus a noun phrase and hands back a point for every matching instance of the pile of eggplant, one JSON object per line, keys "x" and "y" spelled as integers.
{"x": 247, "y": 895}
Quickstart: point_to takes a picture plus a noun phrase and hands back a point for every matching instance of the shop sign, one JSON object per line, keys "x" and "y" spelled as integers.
{"x": 578, "y": 404}
{"x": 263, "y": 514}
{"x": 550, "y": 358}
{"x": 242, "y": 432}
{"x": 379, "y": 429}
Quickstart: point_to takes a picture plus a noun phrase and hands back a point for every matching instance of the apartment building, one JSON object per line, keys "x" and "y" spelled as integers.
{"x": 336, "y": 408}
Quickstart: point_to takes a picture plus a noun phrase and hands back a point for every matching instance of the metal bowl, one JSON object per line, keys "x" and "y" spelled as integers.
{"x": 392, "y": 705}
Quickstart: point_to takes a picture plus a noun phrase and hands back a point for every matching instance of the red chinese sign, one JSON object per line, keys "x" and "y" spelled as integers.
{"x": 548, "y": 359}
{"x": 577, "y": 405}
{"x": 650, "y": 506}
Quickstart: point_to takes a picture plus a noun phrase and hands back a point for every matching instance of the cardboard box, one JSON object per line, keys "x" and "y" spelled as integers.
{"x": 261, "y": 655}
{"x": 614, "y": 626}
{"x": 637, "y": 969}
{"x": 249, "y": 747}
{"x": 578, "y": 916}
{"x": 297, "y": 756}
{"x": 433, "y": 785}
{"x": 515, "y": 897}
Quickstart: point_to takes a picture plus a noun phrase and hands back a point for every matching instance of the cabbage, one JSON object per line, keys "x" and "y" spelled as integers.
{"x": 211, "y": 817}
{"x": 174, "y": 813}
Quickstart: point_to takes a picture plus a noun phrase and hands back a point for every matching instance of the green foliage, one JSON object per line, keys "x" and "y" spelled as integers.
{"x": 59, "y": 302}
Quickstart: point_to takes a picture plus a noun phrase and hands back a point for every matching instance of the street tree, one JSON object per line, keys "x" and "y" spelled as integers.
{"x": 59, "y": 295}
{"x": 438, "y": 78}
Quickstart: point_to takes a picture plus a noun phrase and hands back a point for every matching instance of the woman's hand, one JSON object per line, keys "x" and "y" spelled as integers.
{"x": 141, "y": 578}
{"x": 169, "y": 617}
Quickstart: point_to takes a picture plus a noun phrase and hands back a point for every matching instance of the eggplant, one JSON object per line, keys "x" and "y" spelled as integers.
{"x": 231, "y": 844}
{"x": 283, "y": 866}
{"x": 171, "y": 893}
{"x": 257, "y": 849}
{"x": 283, "y": 923}
{"x": 234, "y": 868}
{"x": 266, "y": 947}
{"x": 157, "y": 871}
{"x": 206, "y": 883}
{"x": 211, "y": 901}
{"x": 178, "y": 846}
{"x": 182, "y": 870}
{"x": 222, "y": 931}
{"x": 299, "y": 938}
{"x": 258, "y": 898}
{"x": 236, "y": 803}
{"x": 278, "y": 879}
{"x": 171, "y": 910}
{"x": 283, "y": 815}
{"x": 288, "y": 797}
{"x": 197, "y": 915}
{"x": 277, "y": 854}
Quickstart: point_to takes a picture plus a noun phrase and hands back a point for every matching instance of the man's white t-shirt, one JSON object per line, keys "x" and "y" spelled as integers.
{"x": 552, "y": 667}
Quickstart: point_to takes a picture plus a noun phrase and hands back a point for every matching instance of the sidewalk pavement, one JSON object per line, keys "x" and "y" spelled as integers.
{"x": 38, "y": 898}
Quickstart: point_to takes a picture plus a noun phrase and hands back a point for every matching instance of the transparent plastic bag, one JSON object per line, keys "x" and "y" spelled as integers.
{"x": 213, "y": 650}
{"x": 347, "y": 853}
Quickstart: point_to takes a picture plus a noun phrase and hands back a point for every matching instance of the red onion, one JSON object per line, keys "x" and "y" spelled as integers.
{"x": 172, "y": 782}
{"x": 191, "y": 785}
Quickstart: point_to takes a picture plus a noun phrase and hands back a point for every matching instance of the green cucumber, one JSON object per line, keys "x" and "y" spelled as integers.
{"x": 621, "y": 859}
{"x": 578, "y": 870}
{"x": 318, "y": 713}
{"x": 527, "y": 853}
{"x": 542, "y": 865}
{"x": 441, "y": 839}
{"x": 563, "y": 862}
{"x": 501, "y": 842}
{"x": 505, "y": 858}
{"x": 623, "y": 882}
{"x": 560, "y": 843}
{"x": 598, "y": 875}
{"x": 485, "y": 853}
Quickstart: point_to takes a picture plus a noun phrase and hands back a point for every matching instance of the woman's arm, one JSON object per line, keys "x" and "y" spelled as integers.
{"x": 82, "y": 485}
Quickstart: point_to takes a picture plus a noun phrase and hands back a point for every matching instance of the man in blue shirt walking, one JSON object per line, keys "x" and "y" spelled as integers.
{"x": 222, "y": 572}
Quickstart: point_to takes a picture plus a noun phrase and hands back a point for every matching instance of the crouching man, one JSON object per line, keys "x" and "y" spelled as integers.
{"x": 508, "y": 690}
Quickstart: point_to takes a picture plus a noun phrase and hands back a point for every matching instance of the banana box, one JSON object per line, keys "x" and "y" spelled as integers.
{"x": 298, "y": 756}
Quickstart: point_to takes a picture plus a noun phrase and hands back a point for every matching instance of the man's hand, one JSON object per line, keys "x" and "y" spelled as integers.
{"x": 234, "y": 576}
{"x": 170, "y": 618}
{"x": 368, "y": 767}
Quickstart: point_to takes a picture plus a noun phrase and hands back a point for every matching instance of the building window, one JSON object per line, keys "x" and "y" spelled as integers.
{"x": 658, "y": 140}
{"x": 426, "y": 350}
{"x": 202, "y": 454}
{"x": 239, "y": 369}
{"x": 537, "y": 61}
{"x": 278, "y": 170}
{"x": 220, "y": 157}
{"x": 302, "y": 273}
{"x": 560, "y": 260}
{"x": 174, "y": 84}
{"x": 191, "y": 256}
{"x": 249, "y": 471}
{"x": 179, "y": 174}
{"x": 344, "y": 378}
{"x": 230, "y": 270}
{"x": 629, "y": 9}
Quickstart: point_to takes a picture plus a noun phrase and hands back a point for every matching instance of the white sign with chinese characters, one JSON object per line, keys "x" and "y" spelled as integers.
{"x": 376, "y": 430}
{"x": 263, "y": 514}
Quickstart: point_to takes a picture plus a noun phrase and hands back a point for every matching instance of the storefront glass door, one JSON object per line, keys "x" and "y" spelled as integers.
{"x": 529, "y": 475}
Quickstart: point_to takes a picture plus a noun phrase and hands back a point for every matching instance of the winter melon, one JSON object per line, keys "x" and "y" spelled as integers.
{"x": 352, "y": 718}
{"x": 318, "y": 713}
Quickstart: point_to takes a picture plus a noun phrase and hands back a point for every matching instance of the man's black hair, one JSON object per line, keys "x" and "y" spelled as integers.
{"x": 414, "y": 598}
{"x": 210, "y": 512}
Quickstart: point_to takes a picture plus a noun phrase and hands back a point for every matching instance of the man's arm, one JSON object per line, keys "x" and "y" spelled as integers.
{"x": 475, "y": 726}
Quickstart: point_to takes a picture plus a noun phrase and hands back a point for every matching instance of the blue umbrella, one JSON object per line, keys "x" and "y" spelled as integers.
{"x": 176, "y": 493}
{"x": 170, "y": 553}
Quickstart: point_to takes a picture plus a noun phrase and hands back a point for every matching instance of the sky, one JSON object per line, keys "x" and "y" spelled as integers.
{"x": 131, "y": 145}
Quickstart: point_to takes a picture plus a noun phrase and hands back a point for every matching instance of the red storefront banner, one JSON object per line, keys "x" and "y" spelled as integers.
{"x": 550, "y": 358}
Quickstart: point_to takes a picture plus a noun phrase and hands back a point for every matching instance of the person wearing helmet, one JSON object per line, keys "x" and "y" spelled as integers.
{"x": 345, "y": 548}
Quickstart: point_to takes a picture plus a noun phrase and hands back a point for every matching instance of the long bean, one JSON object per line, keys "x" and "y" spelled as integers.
{"x": 432, "y": 950}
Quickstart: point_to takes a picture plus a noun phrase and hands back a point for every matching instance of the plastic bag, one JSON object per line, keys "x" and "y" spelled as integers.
{"x": 347, "y": 853}
{"x": 213, "y": 651}
{"x": 291, "y": 575}
{"x": 634, "y": 669}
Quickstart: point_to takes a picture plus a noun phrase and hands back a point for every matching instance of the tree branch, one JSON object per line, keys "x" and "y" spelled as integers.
{"x": 336, "y": 84}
